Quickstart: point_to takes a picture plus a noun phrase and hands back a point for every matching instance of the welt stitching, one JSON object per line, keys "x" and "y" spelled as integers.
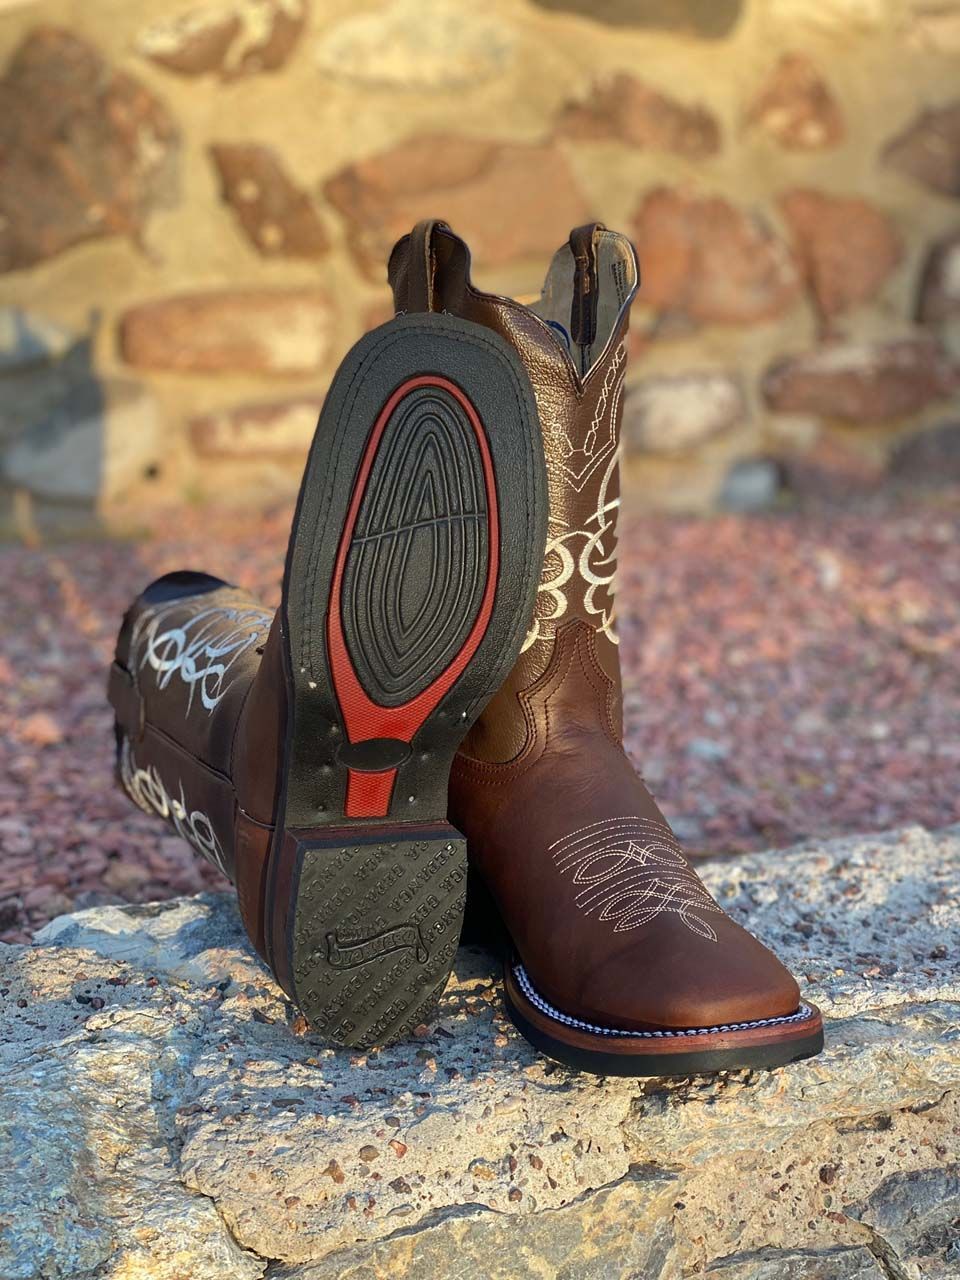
{"x": 803, "y": 1014}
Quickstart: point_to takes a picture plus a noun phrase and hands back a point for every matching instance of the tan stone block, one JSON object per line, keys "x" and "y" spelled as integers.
{"x": 279, "y": 218}
{"x": 862, "y": 382}
{"x": 237, "y": 38}
{"x": 706, "y": 260}
{"x": 846, "y": 247}
{"x": 673, "y": 413}
{"x": 796, "y": 106}
{"x": 270, "y": 331}
{"x": 928, "y": 150}
{"x": 625, "y": 109}
{"x": 279, "y": 430}
{"x": 940, "y": 284}
{"x": 508, "y": 200}
{"x": 86, "y": 150}
{"x": 418, "y": 45}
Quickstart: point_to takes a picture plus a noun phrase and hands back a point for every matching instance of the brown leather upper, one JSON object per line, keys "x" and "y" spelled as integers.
{"x": 610, "y": 922}
{"x": 197, "y": 688}
{"x": 579, "y": 424}
{"x": 608, "y": 919}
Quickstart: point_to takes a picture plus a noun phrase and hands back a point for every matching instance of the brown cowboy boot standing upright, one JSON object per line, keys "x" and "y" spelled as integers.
{"x": 622, "y": 962}
{"x": 308, "y": 755}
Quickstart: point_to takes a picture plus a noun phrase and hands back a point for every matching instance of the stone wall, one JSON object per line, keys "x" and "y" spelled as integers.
{"x": 198, "y": 196}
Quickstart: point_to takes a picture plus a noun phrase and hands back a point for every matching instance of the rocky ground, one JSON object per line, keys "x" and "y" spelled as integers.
{"x": 166, "y": 1114}
{"x": 787, "y": 676}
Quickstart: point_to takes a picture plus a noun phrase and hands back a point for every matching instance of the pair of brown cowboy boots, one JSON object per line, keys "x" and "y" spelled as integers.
{"x": 441, "y": 687}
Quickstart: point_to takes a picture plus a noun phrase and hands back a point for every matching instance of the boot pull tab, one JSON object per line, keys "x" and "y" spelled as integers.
{"x": 422, "y": 268}
{"x": 583, "y": 311}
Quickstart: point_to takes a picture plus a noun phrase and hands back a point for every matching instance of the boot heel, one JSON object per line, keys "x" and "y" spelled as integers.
{"x": 373, "y": 920}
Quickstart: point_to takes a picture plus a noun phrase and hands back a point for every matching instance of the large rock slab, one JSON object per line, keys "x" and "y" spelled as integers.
{"x": 804, "y": 1264}
{"x": 90, "y": 1174}
{"x": 148, "y": 1045}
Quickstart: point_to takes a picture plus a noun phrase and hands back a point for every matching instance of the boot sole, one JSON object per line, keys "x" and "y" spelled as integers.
{"x": 409, "y": 586}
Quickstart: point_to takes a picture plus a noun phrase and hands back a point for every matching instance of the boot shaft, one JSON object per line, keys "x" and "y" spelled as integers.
{"x": 572, "y": 342}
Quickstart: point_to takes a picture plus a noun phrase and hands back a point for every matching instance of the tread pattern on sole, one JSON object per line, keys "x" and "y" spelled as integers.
{"x": 376, "y": 928}
{"x": 417, "y": 564}
{"x": 492, "y": 383}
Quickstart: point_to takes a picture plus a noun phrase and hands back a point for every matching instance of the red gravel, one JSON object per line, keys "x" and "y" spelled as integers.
{"x": 787, "y": 676}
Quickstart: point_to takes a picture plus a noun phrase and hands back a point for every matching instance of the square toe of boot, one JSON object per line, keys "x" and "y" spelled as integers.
{"x": 700, "y": 984}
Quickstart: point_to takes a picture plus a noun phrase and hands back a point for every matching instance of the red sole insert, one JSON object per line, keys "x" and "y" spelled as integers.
{"x": 366, "y": 717}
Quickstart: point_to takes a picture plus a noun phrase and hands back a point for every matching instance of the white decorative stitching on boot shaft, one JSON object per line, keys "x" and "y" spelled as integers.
{"x": 803, "y": 1014}
{"x": 632, "y": 870}
{"x": 595, "y": 562}
{"x": 601, "y": 438}
{"x": 146, "y": 789}
{"x": 202, "y": 649}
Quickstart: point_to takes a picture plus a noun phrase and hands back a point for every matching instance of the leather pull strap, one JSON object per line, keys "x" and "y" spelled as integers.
{"x": 583, "y": 311}
{"x": 422, "y": 266}
{"x": 429, "y": 269}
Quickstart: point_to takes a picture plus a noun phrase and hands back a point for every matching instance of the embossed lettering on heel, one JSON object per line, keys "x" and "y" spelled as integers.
{"x": 376, "y": 922}
{"x": 346, "y": 951}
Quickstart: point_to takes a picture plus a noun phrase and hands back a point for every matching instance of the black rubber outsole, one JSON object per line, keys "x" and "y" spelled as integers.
{"x": 364, "y": 913}
{"x": 375, "y": 928}
{"x": 703, "y": 1062}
